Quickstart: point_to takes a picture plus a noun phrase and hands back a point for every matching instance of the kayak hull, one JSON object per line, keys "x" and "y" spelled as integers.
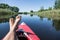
{"x": 26, "y": 28}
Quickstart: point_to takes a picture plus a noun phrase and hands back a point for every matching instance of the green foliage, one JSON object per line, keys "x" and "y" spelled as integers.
{"x": 3, "y": 6}
{"x": 31, "y": 11}
{"x": 42, "y": 9}
{"x": 45, "y": 9}
{"x": 55, "y": 14}
{"x": 57, "y": 4}
{"x": 15, "y": 9}
{"x": 25, "y": 12}
{"x": 50, "y": 8}
{"x": 6, "y": 12}
{"x": 6, "y": 6}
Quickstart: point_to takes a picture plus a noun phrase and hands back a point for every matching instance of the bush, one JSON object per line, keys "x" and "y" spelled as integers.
{"x": 6, "y": 12}
{"x": 6, "y": 6}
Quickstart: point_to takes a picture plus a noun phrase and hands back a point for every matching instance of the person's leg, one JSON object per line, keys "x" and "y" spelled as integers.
{"x": 10, "y": 35}
{"x": 15, "y": 23}
{"x": 11, "y": 22}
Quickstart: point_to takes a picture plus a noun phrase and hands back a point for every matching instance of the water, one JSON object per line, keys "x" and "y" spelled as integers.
{"x": 45, "y": 28}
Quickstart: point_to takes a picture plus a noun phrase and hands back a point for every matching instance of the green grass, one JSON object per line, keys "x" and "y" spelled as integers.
{"x": 5, "y": 13}
{"x": 54, "y": 14}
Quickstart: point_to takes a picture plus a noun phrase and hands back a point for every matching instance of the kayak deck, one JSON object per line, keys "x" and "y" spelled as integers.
{"x": 26, "y": 28}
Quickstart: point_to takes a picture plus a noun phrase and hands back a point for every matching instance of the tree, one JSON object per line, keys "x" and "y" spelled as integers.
{"x": 50, "y": 8}
{"x": 31, "y": 11}
{"x": 42, "y": 9}
{"x": 15, "y": 9}
{"x": 6, "y": 6}
{"x": 57, "y": 4}
{"x": 2, "y": 5}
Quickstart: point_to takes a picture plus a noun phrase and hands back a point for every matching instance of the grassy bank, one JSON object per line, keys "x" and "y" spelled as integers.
{"x": 6, "y": 13}
{"x": 54, "y": 14}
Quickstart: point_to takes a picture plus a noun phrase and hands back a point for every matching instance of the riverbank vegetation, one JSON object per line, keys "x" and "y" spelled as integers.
{"x": 50, "y": 12}
{"x": 6, "y": 11}
{"x": 55, "y": 14}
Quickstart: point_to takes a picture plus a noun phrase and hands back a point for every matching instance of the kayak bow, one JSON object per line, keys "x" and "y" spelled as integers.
{"x": 28, "y": 31}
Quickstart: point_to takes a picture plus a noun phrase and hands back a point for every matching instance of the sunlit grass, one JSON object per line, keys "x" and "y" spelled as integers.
{"x": 5, "y": 13}
{"x": 55, "y": 14}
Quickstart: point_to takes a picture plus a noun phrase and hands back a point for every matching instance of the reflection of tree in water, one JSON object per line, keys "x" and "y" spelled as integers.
{"x": 31, "y": 15}
{"x": 56, "y": 24}
{"x": 49, "y": 18}
{"x": 2, "y": 20}
{"x": 41, "y": 17}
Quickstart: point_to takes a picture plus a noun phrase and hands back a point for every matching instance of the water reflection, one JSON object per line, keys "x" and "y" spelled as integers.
{"x": 41, "y": 26}
{"x": 3, "y": 20}
{"x": 41, "y": 18}
{"x": 31, "y": 15}
{"x": 56, "y": 24}
{"x": 49, "y": 18}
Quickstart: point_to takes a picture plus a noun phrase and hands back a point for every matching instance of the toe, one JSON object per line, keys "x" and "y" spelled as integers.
{"x": 18, "y": 17}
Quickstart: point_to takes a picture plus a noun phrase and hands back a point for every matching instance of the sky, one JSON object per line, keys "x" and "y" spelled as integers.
{"x": 27, "y": 5}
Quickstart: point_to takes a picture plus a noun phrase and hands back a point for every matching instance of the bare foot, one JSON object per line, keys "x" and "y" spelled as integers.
{"x": 10, "y": 35}
{"x": 17, "y": 19}
{"x": 11, "y": 22}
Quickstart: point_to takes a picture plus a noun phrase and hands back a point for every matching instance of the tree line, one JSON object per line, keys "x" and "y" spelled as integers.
{"x": 56, "y": 6}
{"x": 6, "y": 6}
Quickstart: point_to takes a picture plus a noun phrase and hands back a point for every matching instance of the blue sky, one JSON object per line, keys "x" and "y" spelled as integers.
{"x": 27, "y": 5}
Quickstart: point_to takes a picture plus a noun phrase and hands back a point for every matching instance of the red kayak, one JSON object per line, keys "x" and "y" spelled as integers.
{"x": 27, "y": 31}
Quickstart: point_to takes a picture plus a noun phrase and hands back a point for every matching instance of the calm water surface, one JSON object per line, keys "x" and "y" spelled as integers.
{"x": 45, "y": 28}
